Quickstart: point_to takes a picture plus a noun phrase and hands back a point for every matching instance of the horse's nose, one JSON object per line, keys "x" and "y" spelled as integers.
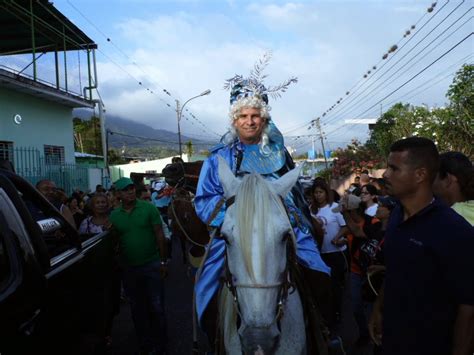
{"x": 256, "y": 340}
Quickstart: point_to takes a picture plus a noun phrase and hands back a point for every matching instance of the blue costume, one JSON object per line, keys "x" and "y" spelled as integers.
{"x": 244, "y": 159}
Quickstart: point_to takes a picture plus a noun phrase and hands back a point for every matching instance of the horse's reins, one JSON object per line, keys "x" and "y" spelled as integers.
{"x": 179, "y": 223}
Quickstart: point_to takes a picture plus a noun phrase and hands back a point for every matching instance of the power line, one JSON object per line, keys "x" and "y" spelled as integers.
{"x": 444, "y": 77}
{"x": 384, "y": 83}
{"x": 338, "y": 129}
{"x": 150, "y": 139}
{"x": 351, "y": 92}
{"x": 417, "y": 74}
{"x": 398, "y": 50}
{"x": 139, "y": 67}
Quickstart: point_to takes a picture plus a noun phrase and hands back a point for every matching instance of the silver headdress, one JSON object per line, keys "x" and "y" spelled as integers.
{"x": 253, "y": 85}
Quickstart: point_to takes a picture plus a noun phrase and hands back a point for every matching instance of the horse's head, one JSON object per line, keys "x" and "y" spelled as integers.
{"x": 173, "y": 173}
{"x": 256, "y": 229}
{"x": 184, "y": 173}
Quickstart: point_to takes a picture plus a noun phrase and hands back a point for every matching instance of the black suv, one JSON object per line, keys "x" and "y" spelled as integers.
{"x": 55, "y": 286}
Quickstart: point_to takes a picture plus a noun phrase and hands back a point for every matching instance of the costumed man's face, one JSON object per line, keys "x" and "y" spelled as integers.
{"x": 249, "y": 125}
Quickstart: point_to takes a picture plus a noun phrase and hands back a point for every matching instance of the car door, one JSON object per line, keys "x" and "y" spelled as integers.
{"x": 22, "y": 282}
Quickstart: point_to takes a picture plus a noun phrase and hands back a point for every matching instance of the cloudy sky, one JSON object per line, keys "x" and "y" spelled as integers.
{"x": 188, "y": 46}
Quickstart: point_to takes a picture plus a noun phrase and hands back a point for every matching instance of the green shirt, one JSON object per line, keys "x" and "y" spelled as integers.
{"x": 138, "y": 244}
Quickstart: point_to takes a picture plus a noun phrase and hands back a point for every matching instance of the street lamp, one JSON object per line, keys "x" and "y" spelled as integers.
{"x": 179, "y": 112}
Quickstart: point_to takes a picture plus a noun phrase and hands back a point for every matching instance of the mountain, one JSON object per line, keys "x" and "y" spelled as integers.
{"x": 125, "y": 132}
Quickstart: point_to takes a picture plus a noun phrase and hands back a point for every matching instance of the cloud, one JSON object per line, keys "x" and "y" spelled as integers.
{"x": 418, "y": 9}
{"x": 187, "y": 53}
{"x": 289, "y": 16}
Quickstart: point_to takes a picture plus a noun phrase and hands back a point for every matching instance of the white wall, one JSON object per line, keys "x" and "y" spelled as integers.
{"x": 118, "y": 171}
{"x": 95, "y": 177}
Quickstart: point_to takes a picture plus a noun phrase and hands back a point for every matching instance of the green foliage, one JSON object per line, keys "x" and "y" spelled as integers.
{"x": 451, "y": 127}
{"x": 115, "y": 158}
{"x": 189, "y": 148}
{"x": 355, "y": 158}
{"x": 384, "y": 134}
{"x": 461, "y": 91}
{"x": 87, "y": 137}
{"x": 326, "y": 174}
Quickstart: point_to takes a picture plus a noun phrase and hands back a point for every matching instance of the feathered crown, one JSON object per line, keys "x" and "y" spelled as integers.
{"x": 253, "y": 85}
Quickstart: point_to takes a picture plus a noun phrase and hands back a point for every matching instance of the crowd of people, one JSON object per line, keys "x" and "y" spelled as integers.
{"x": 131, "y": 213}
{"x": 396, "y": 232}
{"x": 400, "y": 245}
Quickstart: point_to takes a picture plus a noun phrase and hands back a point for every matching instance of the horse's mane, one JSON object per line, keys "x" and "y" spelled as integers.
{"x": 252, "y": 202}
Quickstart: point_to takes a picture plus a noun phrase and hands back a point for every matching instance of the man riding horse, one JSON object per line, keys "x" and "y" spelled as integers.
{"x": 253, "y": 144}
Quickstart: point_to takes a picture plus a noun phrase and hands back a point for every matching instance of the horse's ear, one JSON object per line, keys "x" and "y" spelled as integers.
{"x": 228, "y": 180}
{"x": 283, "y": 185}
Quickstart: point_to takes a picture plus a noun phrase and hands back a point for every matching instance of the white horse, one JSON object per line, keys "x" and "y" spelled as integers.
{"x": 256, "y": 228}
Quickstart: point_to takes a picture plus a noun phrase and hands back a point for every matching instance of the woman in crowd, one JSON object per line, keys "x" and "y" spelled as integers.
{"x": 333, "y": 244}
{"x": 368, "y": 195}
{"x": 99, "y": 222}
{"x": 77, "y": 213}
{"x": 99, "y": 219}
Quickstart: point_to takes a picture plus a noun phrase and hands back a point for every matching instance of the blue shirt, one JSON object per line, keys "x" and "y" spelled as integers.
{"x": 209, "y": 192}
{"x": 430, "y": 268}
{"x": 160, "y": 202}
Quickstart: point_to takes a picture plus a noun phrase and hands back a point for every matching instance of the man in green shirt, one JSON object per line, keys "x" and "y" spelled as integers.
{"x": 144, "y": 262}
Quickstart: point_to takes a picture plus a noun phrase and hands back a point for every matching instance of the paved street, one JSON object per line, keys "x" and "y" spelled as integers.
{"x": 179, "y": 315}
{"x": 178, "y": 308}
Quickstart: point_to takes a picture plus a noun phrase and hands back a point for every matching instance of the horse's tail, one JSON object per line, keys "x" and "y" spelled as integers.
{"x": 227, "y": 315}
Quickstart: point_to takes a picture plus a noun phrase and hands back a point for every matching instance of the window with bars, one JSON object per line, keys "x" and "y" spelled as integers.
{"x": 53, "y": 154}
{"x": 6, "y": 151}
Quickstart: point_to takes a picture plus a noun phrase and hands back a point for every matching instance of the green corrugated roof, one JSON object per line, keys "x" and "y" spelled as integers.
{"x": 49, "y": 24}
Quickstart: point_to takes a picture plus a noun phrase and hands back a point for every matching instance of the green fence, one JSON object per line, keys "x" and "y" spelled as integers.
{"x": 31, "y": 165}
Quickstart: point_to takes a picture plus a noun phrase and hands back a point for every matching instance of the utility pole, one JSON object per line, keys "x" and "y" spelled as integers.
{"x": 179, "y": 112}
{"x": 318, "y": 127}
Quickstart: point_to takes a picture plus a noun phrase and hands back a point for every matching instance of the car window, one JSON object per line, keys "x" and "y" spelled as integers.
{"x": 57, "y": 234}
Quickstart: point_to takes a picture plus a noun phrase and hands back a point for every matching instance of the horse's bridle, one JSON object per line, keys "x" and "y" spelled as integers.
{"x": 175, "y": 216}
{"x": 284, "y": 285}
{"x": 181, "y": 182}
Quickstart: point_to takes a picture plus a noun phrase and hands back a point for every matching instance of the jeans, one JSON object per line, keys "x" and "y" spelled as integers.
{"x": 144, "y": 288}
{"x": 361, "y": 308}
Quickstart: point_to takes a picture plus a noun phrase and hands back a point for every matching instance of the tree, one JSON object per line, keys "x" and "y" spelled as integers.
{"x": 458, "y": 120}
{"x": 461, "y": 91}
{"x": 383, "y": 134}
{"x": 115, "y": 158}
{"x": 355, "y": 158}
{"x": 451, "y": 127}
{"x": 87, "y": 137}
{"x": 189, "y": 148}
